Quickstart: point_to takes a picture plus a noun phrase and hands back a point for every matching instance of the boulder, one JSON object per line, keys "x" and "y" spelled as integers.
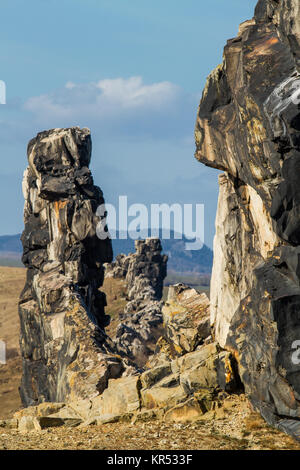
{"x": 120, "y": 398}
{"x": 28, "y": 424}
{"x": 204, "y": 371}
{"x": 151, "y": 376}
{"x": 207, "y": 368}
{"x": 165, "y": 394}
{"x": 189, "y": 411}
{"x": 9, "y": 423}
{"x": 43, "y": 409}
{"x": 186, "y": 318}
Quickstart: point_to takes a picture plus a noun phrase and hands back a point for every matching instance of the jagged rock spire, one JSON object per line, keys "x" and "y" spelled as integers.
{"x": 66, "y": 354}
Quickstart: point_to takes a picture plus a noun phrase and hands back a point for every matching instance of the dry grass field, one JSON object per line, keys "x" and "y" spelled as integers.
{"x": 12, "y": 281}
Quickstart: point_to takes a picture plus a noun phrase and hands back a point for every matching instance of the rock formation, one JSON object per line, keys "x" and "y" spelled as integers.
{"x": 141, "y": 322}
{"x": 66, "y": 354}
{"x": 163, "y": 361}
{"x": 176, "y": 385}
{"x": 248, "y": 125}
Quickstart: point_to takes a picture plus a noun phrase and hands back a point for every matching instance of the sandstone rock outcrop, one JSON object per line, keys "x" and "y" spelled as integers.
{"x": 141, "y": 323}
{"x": 66, "y": 354}
{"x": 248, "y": 125}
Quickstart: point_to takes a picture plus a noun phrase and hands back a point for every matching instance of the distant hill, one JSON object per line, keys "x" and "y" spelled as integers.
{"x": 11, "y": 243}
{"x": 180, "y": 259}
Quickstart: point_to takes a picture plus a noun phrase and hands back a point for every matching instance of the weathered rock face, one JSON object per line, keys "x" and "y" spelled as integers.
{"x": 144, "y": 272}
{"x": 66, "y": 354}
{"x": 248, "y": 125}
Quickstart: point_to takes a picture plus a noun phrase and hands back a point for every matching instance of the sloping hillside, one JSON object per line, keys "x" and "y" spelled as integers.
{"x": 10, "y": 243}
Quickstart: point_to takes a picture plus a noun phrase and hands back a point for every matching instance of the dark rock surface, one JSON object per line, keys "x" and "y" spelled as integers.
{"x": 65, "y": 351}
{"x": 248, "y": 125}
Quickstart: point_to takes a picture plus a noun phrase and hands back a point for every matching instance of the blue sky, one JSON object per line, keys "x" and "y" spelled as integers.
{"x": 133, "y": 72}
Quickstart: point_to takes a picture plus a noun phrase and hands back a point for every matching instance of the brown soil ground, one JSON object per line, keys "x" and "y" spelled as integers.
{"x": 12, "y": 281}
{"x": 235, "y": 426}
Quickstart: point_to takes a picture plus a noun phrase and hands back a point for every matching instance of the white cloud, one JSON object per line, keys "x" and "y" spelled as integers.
{"x": 132, "y": 93}
{"x": 117, "y": 108}
{"x": 105, "y": 98}
{"x": 118, "y": 111}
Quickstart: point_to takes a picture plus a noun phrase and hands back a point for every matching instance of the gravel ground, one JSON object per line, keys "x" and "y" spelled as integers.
{"x": 235, "y": 427}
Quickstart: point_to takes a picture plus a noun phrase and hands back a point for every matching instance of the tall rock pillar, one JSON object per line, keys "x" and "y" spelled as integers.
{"x": 66, "y": 354}
{"x": 248, "y": 125}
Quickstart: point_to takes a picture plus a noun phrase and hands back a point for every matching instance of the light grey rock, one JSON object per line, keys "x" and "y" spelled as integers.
{"x": 9, "y": 423}
{"x": 119, "y": 398}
